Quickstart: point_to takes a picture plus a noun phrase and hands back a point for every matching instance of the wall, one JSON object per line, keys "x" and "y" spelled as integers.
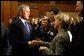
{"x": 9, "y": 8}
{"x": 8, "y": 11}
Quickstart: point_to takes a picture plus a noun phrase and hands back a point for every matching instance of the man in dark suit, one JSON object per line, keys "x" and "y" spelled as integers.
{"x": 21, "y": 33}
{"x": 77, "y": 31}
{"x": 3, "y": 29}
{"x": 53, "y": 12}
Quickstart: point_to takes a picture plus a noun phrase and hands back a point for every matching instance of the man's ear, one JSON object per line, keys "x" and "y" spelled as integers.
{"x": 21, "y": 12}
{"x": 61, "y": 21}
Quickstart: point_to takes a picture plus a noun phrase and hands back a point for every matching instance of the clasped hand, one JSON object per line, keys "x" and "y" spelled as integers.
{"x": 35, "y": 42}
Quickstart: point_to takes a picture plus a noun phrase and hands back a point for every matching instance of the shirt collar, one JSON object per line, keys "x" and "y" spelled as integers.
{"x": 22, "y": 20}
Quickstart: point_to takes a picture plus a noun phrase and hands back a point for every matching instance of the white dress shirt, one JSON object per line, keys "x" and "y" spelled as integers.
{"x": 70, "y": 35}
{"x": 23, "y": 21}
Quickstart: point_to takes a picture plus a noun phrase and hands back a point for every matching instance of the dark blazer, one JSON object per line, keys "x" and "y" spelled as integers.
{"x": 18, "y": 37}
{"x": 43, "y": 35}
{"x": 3, "y": 30}
{"x": 78, "y": 35}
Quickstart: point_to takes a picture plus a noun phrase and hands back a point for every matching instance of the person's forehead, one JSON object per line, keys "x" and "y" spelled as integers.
{"x": 78, "y": 2}
{"x": 27, "y": 8}
{"x": 44, "y": 20}
{"x": 47, "y": 12}
{"x": 51, "y": 12}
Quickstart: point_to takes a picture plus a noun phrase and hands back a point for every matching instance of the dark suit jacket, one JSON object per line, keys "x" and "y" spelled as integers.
{"x": 19, "y": 37}
{"x": 78, "y": 35}
{"x": 3, "y": 30}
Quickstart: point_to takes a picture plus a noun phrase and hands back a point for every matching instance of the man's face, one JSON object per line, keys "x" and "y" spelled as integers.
{"x": 79, "y": 6}
{"x": 52, "y": 16}
{"x": 26, "y": 13}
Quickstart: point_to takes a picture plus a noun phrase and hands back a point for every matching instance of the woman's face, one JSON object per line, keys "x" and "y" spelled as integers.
{"x": 57, "y": 23}
{"x": 35, "y": 21}
{"x": 44, "y": 22}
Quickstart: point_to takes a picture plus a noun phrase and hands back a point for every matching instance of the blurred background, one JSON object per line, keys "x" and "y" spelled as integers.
{"x": 38, "y": 8}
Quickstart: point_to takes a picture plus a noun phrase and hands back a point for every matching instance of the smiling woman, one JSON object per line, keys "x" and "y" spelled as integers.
{"x": 60, "y": 45}
{"x": 63, "y": 20}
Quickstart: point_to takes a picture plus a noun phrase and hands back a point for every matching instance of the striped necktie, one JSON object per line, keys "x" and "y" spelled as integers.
{"x": 27, "y": 27}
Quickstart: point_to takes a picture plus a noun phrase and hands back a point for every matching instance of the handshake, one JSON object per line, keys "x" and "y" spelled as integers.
{"x": 35, "y": 42}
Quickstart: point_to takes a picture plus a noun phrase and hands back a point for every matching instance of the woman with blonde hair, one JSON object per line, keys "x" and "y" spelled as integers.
{"x": 60, "y": 45}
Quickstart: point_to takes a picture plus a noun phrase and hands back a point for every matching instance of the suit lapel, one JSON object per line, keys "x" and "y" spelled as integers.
{"x": 22, "y": 26}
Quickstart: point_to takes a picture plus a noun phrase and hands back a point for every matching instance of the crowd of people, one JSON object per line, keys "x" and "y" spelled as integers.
{"x": 56, "y": 33}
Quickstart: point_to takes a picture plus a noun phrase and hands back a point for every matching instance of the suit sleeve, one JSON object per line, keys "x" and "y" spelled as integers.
{"x": 55, "y": 46}
{"x": 15, "y": 36}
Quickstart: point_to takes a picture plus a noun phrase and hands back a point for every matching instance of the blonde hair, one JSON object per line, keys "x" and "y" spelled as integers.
{"x": 65, "y": 18}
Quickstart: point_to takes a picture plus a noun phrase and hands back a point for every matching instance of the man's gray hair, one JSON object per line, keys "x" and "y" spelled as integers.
{"x": 21, "y": 8}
